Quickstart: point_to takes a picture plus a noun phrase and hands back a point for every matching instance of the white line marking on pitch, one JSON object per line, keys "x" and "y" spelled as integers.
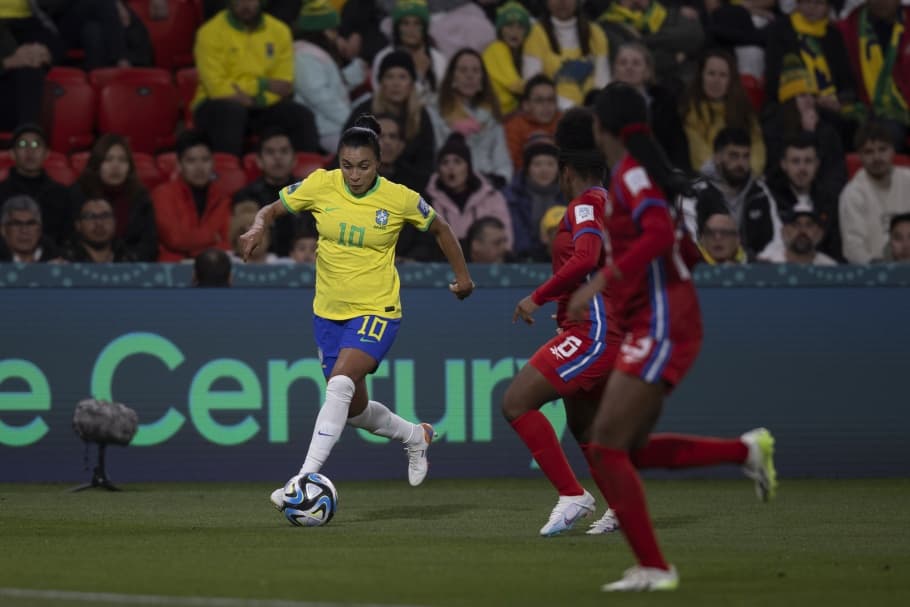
{"x": 175, "y": 601}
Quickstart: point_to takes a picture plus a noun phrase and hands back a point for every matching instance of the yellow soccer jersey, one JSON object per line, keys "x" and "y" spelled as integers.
{"x": 355, "y": 265}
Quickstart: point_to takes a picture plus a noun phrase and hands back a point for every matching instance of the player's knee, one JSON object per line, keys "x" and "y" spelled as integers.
{"x": 513, "y": 406}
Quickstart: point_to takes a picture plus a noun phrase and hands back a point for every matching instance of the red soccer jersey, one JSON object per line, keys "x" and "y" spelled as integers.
{"x": 578, "y": 250}
{"x": 655, "y": 293}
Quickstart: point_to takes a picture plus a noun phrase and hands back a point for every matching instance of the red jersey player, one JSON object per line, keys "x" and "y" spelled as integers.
{"x": 656, "y": 307}
{"x": 573, "y": 364}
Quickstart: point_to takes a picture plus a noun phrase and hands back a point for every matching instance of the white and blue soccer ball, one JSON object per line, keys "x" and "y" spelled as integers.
{"x": 309, "y": 500}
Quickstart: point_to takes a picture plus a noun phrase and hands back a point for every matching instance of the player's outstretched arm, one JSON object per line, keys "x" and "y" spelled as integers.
{"x": 445, "y": 237}
{"x": 252, "y": 238}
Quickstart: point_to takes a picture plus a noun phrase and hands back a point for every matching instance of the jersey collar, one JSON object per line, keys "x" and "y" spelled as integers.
{"x": 365, "y": 194}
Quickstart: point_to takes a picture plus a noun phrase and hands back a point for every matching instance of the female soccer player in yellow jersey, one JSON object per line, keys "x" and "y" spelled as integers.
{"x": 358, "y": 217}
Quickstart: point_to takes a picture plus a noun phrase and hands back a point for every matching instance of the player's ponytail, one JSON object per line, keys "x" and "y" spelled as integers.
{"x": 363, "y": 133}
{"x": 623, "y": 113}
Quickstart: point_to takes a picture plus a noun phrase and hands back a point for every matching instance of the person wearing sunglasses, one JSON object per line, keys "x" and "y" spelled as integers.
{"x": 27, "y": 177}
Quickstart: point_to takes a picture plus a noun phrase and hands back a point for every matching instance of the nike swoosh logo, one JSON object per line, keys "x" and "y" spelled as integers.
{"x": 330, "y": 209}
{"x": 367, "y": 340}
{"x": 321, "y": 433}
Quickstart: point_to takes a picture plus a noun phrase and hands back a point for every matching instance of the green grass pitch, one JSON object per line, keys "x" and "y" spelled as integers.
{"x": 450, "y": 543}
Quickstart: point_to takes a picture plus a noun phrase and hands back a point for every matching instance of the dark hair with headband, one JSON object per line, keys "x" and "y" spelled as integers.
{"x": 622, "y": 112}
{"x": 577, "y": 148}
{"x": 364, "y": 133}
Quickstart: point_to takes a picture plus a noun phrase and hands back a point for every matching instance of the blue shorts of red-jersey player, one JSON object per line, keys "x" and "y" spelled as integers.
{"x": 577, "y": 361}
{"x": 656, "y": 360}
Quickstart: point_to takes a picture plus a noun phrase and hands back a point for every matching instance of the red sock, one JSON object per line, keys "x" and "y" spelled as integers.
{"x": 683, "y": 451}
{"x": 538, "y": 435}
{"x": 618, "y": 481}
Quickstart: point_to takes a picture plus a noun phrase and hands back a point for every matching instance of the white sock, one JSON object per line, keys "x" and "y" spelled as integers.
{"x": 378, "y": 419}
{"x": 329, "y": 423}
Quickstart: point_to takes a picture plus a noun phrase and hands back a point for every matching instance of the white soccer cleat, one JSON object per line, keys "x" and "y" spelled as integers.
{"x": 417, "y": 456}
{"x": 568, "y": 510}
{"x": 644, "y": 579}
{"x": 759, "y": 464}
{"x": 608, "y": 523}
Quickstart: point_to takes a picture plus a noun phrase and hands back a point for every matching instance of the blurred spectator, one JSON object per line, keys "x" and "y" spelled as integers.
{"x": 191, "y": 212}
{"x": 110, "y": 174}
{"x": 20, "y": 226}
{"x": 94, "y": 26}
{"x": 798, "y": 116}
{"x": 796, "y": 182}
{"x": 306, "y": 242}
{"x": 95, "y": 240}
{"x": 359, "y": 34}
{"x": 503, "y": 57}
{"x": 487, "y": 241}
{"x": 27, "y": 47}
{"x": 718, "y": 239}
{"x": 322, "y": 81}
{"x": 802, "y": 231}
{"x": 876, "y": 193}
{"x": 878, "y": 44}
{"x": 549, "y": 225}
{"x": 716, "y": 100}
{"x": 740, "y": 28}
{"x": 246, "y": 70}
{"x": 283, "y": 10}
{"x": 456, "y": 24}
{"x": 672, "y": 33}
{"x": 746, "y": 196}
{"x": 539, "y": 115}
{"x": 212, "y": 268}
{"x": 396, "y": 96}
{"x": 27, "y": 176}
{"x": 633, "y": 64}
{"x": 391, "y": 146}
{"x": 275, "y": 158}
{"x": 812, "y": 41}
{"x": 899, "y": 238}
{"x": 410, "y": 34}
{"x": 533, "y": 191}
{"x": 139, "y": 49}
{"x": 460, "y": 195}
{"x": 468, "y": 106}
{"x": 565, "y": 46}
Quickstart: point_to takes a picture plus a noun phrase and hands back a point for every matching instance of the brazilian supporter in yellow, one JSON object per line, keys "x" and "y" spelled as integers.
{"x": 357, "y": 307}
{"x": 234, "y": 58}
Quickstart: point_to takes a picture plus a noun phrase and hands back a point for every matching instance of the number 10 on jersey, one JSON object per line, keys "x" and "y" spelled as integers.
{"x": 355, "y": 235}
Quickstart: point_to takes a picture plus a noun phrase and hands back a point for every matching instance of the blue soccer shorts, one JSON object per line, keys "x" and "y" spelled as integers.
{"x": 371, "y": 334}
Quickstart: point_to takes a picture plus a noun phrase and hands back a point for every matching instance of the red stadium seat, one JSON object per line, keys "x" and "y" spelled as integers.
{"x": 147, "y": 170}
{"x": 6, "y": 160}
{"x": 173, "y": 37}
{"x": 78, "y": 161}
{"x": 755, "y": 89}
{"x": 145, "y": 113}
{"x": 167, "y": 165}
{"x": 58, "y": 168}
{"x": 230, "y": 180}
{"x": 251, "y": 167}
{"x": 187, "y": 82}
{"x": 72, "y": 100}
{"x": 103, "y": 76}
{"x": 307, "y": 162}
{"x": 4, "y": 173}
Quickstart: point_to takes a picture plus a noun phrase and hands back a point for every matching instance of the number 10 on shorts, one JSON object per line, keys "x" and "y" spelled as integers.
{"x": 373, "y": 327}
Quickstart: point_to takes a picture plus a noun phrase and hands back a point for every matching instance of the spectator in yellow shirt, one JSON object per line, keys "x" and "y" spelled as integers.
{"x": 246, "y": 71}
{"x": 503, "y": 57}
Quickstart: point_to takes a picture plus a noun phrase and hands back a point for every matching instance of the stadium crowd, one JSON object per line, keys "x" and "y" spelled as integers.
{"x": 153, "y": 130}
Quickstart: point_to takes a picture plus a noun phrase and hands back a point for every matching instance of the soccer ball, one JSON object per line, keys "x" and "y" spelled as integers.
{"x": 309, "y": 500}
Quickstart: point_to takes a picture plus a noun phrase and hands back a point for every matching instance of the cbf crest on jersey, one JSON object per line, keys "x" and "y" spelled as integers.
{"x": 382, "y": 219}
